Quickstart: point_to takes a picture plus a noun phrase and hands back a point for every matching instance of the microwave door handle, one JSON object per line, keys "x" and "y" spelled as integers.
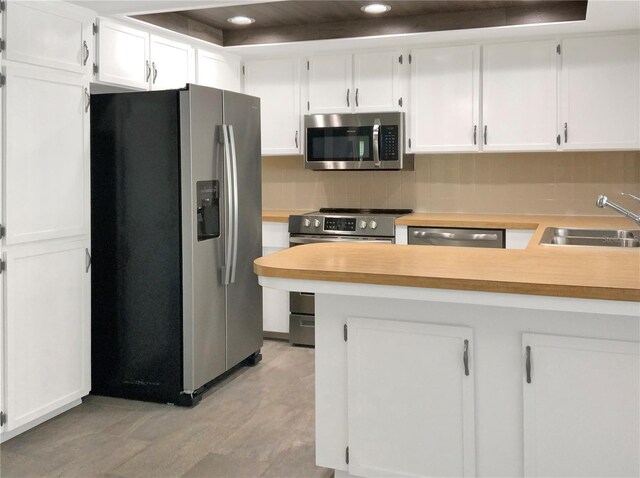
{"x": 376, "y": 142}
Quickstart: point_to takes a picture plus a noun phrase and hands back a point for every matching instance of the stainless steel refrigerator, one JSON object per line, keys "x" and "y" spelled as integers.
{"x": 176, "y": 225}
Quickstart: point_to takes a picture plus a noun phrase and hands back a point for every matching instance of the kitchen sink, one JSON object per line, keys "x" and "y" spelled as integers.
{"x": 560, "y": 236}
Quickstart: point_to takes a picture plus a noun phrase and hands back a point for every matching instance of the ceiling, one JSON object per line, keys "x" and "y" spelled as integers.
{"x": 288, "y": 21}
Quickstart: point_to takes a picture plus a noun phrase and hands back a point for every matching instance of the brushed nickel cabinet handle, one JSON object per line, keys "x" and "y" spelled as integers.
{"x": 528, "y": 364}
{"x": 86, "y": 52}
{"x": 566, "y": 133}
{"x": 87, "y": 258}
{"x": 348, "y": 90}
{"x": 148, "y": 70}
{"x": 475, "y": 134}
{"x": 155, "y": 72}
{"x": 465, "y": 357}
{"x": 485, "y": 134}
{"x": 88, "y": 98}
{"x": 357, "y": 96}
{"x": 296, "y": 139}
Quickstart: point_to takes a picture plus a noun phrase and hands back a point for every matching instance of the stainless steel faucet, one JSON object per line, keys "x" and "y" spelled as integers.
{"x": 603, "y": 201}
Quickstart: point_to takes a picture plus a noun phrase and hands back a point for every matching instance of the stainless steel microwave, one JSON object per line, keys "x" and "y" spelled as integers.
{"x": 373, "y": 141}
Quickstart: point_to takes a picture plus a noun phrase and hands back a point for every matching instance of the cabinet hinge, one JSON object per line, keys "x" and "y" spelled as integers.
{"x": 307, "y": 65}
{"x": 308, "y": 106}
{"x": 3, "y": 266}
{"x": 558, "y": 49}
{"x": 400, "y": 101}
{"x": 345, "y": 332}
{"x": 95, "y": 28}
{"x": 558, "y": 140}
{"x": 346, "y": 455}
{"x": 3, "y": 5}
{"x": 3, "y": 418}
{"x": 95, "y": 68}
{"x": 409, "y": 58}
{"x": 400, "y": 59}
{"x": 3, "y": 80}
{"x": 3, "y": 44}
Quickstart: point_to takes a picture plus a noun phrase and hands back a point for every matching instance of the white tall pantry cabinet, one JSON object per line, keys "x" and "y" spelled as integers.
{"x": 46, "y": 247}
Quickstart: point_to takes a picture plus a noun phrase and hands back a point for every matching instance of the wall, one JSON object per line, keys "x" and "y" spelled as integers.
{"x": 510, "y": 183}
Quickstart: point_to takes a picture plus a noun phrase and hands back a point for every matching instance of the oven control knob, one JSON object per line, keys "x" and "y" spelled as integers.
{"x": 316, "y": 223}
{"x": 373, "y": 224}
{"x": 307, "y": 223}
{"x": 363, "y": 224}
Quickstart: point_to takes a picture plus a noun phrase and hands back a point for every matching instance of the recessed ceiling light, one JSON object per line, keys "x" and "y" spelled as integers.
{"x": 241, "y": 20}
{"x": 375, "y": 8}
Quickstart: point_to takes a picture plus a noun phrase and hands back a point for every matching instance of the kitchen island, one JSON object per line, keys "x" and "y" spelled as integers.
{"x": 436, "y": 361}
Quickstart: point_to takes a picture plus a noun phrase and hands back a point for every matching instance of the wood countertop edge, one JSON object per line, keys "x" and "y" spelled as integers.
{"x": 509, "y": 287}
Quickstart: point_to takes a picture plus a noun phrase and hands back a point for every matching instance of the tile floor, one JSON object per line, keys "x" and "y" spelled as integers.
{"x": 257, "y": 423}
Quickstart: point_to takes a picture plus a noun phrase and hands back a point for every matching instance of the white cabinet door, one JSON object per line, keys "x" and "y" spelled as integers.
{"x": 581, "y": 407}
{"x": 519, "y": 96}
{"x": 47, "y": 329}
{"x": 52, "y": 34}
{"x": 600, "y": 93}
{"x": 377, "y": 81}
{"x": 330, "y": 87}
{"x": 123, "y": 55}
{"x": 277, "y": 84}
{"x": 445, "y": 99}
{"x": 172, "y": 64}
{"x": 47, "y": 154}
{"x": 407, "y": 385}
{"x": 218, "y": 71}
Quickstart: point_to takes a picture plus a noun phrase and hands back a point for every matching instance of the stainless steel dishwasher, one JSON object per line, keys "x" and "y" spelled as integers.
{"x": 461, "y": 237}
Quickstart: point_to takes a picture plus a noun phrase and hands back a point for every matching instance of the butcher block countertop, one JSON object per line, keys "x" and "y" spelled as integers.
{"x": 562, "y": 271}
{"x": 280, "y": 215}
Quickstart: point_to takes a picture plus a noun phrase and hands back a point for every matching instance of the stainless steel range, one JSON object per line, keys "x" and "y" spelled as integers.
{"x": 333, "y": 225}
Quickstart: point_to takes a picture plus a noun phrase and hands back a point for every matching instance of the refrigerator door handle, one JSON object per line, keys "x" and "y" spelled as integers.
{"x": 228, "y": 240}
{"x": 234, "y": 204}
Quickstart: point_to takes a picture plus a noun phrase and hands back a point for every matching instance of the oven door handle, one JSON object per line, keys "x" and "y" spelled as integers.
{"x": 295, "y": 240}
{"x": 376, "y": 142}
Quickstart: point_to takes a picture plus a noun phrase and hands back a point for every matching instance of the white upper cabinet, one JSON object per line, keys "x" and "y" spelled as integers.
{"x": 445, "y": 99}
{"x": 519, "y": 96}
{"x": 396, "y": 401}
{"x": 277, "y": 84}
{"x": 218, "y": 71}
{"x": 330, "y": 86}
{"x": 47, "y": 154}
{"x": 172, "y": 64}
{"x": 52, "y": 34}
{"x": 581, "y": 407}
{"x": 376, "y": 78}
{"x": 123, "y": 55}
{"x": 364, "y": 82}
{"x": 600, "y": 93}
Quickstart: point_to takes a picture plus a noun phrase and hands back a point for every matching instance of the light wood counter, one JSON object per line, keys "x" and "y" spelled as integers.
{"x": 280, "y": 215}
{"x": 581, "y": 272}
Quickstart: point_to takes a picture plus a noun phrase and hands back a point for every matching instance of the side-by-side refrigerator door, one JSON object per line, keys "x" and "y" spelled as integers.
{"x": 203, "y": 236}
{"x": 244, "y": 295}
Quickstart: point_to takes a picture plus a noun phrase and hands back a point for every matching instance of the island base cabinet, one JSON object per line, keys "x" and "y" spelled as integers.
{"x": 581, "y": 407}
{"x": 409, "y": 383}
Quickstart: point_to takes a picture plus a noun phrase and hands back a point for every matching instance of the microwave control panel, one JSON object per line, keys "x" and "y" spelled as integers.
{"x": 389, "y": 143}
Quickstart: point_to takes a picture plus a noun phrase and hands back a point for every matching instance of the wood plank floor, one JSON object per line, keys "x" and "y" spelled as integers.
{"x": 257, "y": 422}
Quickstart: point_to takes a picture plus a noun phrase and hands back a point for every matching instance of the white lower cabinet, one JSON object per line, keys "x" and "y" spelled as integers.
{"x": 275, "y": 303}
{"x": 410, "y": 383}
{"x": 47, "y": 326}
{"x": 581, "y": 407}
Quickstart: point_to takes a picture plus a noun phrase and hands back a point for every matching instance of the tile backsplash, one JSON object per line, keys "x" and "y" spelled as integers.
{"x": 508, "y": 183}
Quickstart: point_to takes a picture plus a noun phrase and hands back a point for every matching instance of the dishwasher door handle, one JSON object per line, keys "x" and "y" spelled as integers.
{"x": 456, "y": 236}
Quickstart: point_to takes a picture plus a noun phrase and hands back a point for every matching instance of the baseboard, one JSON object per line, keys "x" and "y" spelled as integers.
{"x": 276, "y": 335}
